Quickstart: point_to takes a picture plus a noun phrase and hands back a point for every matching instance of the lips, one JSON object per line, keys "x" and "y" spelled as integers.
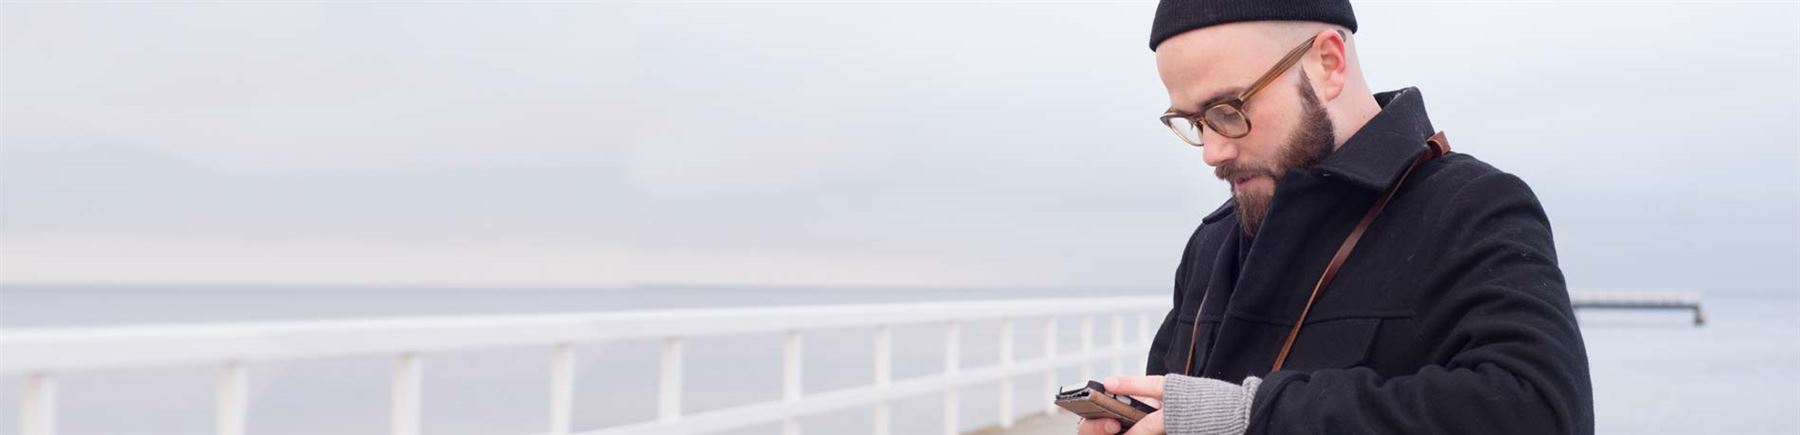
{"x": 1238, "y": 176}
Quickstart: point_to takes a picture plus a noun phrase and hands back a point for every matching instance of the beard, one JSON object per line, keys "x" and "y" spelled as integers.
{"x": 1306, "y": 146}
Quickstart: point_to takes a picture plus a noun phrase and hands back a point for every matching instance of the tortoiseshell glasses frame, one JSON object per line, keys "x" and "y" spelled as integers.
{"x": 1227, "y": 117}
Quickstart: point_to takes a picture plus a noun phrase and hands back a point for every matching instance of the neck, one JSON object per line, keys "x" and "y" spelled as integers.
{"x": 1353, "y": 111}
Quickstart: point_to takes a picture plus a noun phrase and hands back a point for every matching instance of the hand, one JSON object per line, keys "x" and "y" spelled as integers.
{"x": 1097, "y": 426}
{"x": 1151, "y": 425}
{"x": 1136, "y": 386}
{"x": 1146, "y": 388}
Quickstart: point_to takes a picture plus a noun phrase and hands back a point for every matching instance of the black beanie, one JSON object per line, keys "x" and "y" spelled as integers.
{"x": 1173, "y": 17}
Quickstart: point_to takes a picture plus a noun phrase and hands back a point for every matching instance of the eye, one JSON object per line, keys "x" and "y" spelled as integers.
{"x": 1227, "y": 120}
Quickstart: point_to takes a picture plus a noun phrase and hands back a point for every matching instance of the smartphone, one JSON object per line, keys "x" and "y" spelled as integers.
{"x": 1092, "y": 401}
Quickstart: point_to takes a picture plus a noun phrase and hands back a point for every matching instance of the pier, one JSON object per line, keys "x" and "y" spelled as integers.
{"x": 1639, "y": 300}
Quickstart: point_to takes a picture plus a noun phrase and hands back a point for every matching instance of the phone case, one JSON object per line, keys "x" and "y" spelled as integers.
{"x": 1092, "y": 401}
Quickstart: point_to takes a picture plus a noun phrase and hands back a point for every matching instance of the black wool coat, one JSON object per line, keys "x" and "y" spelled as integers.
{"x": 1450, "y": 317}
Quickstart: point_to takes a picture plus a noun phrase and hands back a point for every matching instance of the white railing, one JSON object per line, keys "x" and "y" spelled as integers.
{"x": 42, "y": 354}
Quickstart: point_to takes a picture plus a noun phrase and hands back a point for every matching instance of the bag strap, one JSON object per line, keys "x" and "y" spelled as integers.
{"x": 1439, "y": 146}
{"x": 1194, "y": 337}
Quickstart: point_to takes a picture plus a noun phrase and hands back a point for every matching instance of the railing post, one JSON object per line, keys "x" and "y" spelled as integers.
{"x": 1118, "y": 344}
{"x": 1144, "y": 338}
{"x": 1006, "y": 380}
{"x": 952, "y": 363}
{"x": 1050, "y": 367}
{"x": 884, "y": 377}
{"x": 37, "y": 410}
{"x": 1087, "y": 347}
{"x": 232, "y": 398}
{"x": 792, "y": 356}
{"x": 668, "y": 407}
{"x": 562, "y": 388}
{"x": 1144, "y": 331}
{"x": 407, "y": 383}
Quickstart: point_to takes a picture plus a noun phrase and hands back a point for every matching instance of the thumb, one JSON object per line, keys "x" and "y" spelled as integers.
{"x": 1142, "y": 386}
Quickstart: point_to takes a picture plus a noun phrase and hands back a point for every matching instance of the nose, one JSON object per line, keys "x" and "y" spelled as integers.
{"x": 1218, "y": 150}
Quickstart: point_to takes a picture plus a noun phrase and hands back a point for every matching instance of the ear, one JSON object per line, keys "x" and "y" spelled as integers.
{"x": 1330, "y": 63}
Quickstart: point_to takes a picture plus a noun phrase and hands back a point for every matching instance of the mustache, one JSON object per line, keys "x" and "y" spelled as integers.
{"x": 1233, "y": 172}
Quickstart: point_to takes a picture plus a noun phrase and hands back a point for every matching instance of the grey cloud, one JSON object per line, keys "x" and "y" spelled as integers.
{"x": 992, "y": 143}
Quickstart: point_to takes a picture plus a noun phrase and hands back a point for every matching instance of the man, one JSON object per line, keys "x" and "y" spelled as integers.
{"x": 1446, "y": 312}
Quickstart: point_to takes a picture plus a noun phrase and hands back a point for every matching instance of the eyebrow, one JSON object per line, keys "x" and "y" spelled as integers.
{"x": 1215, "y": 98}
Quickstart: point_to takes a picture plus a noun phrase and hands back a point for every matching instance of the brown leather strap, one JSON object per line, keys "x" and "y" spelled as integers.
{"x": 1194, "y": 337}
{"x": 1439, "y": 145}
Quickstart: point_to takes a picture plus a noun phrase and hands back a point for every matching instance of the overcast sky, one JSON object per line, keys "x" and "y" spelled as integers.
{"x": 816, "y": 143}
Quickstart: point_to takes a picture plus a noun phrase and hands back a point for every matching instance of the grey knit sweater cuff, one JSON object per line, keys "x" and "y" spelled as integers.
{"x": 1202, "y": 406}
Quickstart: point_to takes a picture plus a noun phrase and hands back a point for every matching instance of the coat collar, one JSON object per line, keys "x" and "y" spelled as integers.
{"x": 1224, "y": 210}
{"x": 1374, "y": 156}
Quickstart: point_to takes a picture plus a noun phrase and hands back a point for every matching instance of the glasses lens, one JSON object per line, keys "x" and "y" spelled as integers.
{"x": 1185, "y": 128}
{"x": 1228, "y": 121}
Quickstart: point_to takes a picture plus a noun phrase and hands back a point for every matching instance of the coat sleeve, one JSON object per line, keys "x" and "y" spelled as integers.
{"x": 1503, "y": 352}
{"x": 1159, "y": 347}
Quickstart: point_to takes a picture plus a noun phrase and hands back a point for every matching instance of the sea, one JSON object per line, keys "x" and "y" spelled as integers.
{"x": 1652, "y": 371}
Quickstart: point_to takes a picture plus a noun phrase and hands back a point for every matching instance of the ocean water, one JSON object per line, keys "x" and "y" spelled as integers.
{"x": 1653, "y": 372}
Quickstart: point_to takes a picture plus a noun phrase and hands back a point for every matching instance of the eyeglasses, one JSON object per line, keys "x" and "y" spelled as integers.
{"x": 1226, "y": 117}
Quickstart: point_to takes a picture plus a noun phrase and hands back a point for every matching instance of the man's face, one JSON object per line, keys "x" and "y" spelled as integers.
{"x": 1289, "y": 127}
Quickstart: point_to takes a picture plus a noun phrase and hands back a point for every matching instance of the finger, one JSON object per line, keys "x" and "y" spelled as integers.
{"x": 1151, "y": 425}
{"x": 1154, "y": 402}
{"x": 1143, "y": 386}
{"x": 1098, "y": 426}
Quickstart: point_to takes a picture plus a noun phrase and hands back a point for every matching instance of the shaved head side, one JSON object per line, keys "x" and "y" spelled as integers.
{"x": 1199, "y": 65}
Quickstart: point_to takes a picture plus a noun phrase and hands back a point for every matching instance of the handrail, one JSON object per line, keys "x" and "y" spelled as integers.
{"x": 41, "y": 354}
